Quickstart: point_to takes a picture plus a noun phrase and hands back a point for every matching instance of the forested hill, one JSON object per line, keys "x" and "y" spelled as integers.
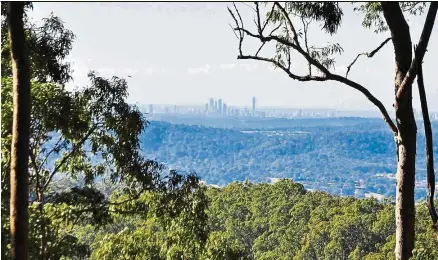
{"x": 342, "y": 155}
{"x": 262, "y": 221}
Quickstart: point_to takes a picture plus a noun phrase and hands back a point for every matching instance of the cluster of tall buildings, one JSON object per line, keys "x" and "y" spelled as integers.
{"x": 218, "y": 107}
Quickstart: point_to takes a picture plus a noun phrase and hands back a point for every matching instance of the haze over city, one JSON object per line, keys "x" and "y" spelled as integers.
{"x": 173, "y": 58}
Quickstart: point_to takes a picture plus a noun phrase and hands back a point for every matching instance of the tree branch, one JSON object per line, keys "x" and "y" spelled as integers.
{"x": 328, "y": 75}
{"x": 269, "y": 18}
{"x": 287, "y": 43}
{"x": 278, "y": 64}
{"x": 289, "y": 21}
{"x": 368, "y": 54}
{"x": 75, "y": 147}
{"x": 257, "y": 10}
{"x": 429, "y": 149}
{"x": 49, "y": 153}
{"x": 370, "y": 97}
{"x": 270, "y": 34}
{"x": 420, "y": 50}
{"x": 305, "y": 29}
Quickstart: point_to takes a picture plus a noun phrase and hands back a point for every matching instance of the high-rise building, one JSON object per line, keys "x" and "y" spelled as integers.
{"x": 224, "y": 109}
{"x": 151, "y": 109}
{"x": 219, "y": 106}
{"x": 206, "y": 107}
{"x": 253, "y": 105}
{"x": 215, "y": 106}
{"x": 211, "y": 108}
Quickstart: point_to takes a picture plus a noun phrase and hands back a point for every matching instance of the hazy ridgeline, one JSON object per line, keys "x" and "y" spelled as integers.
{"x": 331, "y": 154}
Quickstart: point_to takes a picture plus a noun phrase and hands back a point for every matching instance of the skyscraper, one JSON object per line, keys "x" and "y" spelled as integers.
{"x": 215, "y": 106}
{"x": 211, "y": 108}
{"x": 224, "y": 109}
{"x": 151, "y": 109}
{"x": 253, "y": 105}
{"x": 219, "y": 106}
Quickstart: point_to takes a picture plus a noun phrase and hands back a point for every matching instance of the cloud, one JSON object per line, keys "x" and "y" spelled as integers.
{"x": 227, "y": 66}
{"x": 150, "y": 71}
{"x": 130, "y": 71}
{"x": 249, "y": 67}
{"x": 106, "y": 71}
{"x": 156, "y": 71}
{"x": 203, "y": 69}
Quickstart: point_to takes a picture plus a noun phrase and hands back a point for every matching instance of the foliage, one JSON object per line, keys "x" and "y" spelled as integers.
{"x": 48, "y": 44}
{"x": 95, "y": 136}
{"x": 269, "y": 221}
{"x": 174, "y": 227}
{"x": 325, "y": 154}
{"x": 373, "y": 16}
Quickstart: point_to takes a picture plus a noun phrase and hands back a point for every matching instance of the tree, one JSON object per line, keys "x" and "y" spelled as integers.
{"x": 19, "y": 176}
{"x": 78, "y": 139}
{"x": 429, "y": 150}
{"x": 47, "y": 46}
{"x": 383, "y": 16}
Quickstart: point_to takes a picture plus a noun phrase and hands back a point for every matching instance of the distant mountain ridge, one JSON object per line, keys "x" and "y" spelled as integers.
{"x": 350, "y": 156}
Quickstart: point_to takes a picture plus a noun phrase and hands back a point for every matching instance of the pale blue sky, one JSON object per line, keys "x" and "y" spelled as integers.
{"x": 184, "y": 53}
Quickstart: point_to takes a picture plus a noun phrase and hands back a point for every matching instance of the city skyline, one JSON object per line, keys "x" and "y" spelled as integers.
{"x": 204, "y": 63}
{"x": 217, "y": 107}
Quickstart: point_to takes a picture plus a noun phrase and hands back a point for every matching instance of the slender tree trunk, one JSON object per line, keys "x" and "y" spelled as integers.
{"x": 405, "y": 202}
{"x": 429, "y": 150}
{"x": 19, "y": 217}
{"x": 406, "y": 138}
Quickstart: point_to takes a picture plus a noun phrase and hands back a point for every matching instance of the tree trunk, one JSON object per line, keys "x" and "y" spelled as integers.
{"x": 19, "y": 219}
{"x": 405, "y": 199}
{"x": 406, "y": 138}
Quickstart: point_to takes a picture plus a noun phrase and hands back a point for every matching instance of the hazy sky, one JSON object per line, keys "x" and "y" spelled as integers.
{"x": 184, "y": 53}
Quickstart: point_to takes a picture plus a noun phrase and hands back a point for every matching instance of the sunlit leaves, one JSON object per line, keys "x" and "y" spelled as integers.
{"x": 413, "y": 8}
{"x": 328, "y": 13}
{"x": 373, "y": 17}
{"x": 325, "y": 55}
{"x": 48, "y": 46}
{"x": 84, "y": 135}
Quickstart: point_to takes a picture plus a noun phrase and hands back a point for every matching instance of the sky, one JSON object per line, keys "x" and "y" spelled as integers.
{"x": 185, "y": 53}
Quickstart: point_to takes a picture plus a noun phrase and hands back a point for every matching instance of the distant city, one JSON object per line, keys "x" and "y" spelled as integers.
{"x": 217, "y": 107}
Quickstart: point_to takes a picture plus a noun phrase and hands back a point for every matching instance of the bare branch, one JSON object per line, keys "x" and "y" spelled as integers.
{"x": 233, "y": 31}
{"x": 420, "y": 50}
{"x": 270, "y": 34}
{"x": 305, "y": 28}
{"x": 370, "y": 97}
{"x": 259, "y": 26}
{"x": 249, "y": 5}
{"x": 241, "y": 35}
{"x": 312, "y": 61}
{"x": 289, "y": 73}
{"x": 238, "y": 14}
{"x": 289, "y": 21}
{"x": 75, "y": 147}
{"x": 306, "y": 55}
{"x": 48, "y": 154}
{"x": 269, "y": 18}
{"x": 368, "y": 54}
{"x": 429, "y": 149}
